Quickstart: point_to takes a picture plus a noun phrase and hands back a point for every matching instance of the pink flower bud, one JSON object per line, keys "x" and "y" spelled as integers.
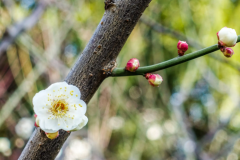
{"x": 228, "y": 52}
{"x": 132, "y": 65}
{"x": 155, "y": 80}
{"x": 52, "y": 135}
{"x": 182, "y": 47}
{"x": 36, "y": 124}
{"x": 227, "y": 37}
{"x": 147, "y": 75}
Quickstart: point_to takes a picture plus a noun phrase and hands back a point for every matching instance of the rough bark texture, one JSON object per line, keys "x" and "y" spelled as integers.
{"x": 94, "y": 65}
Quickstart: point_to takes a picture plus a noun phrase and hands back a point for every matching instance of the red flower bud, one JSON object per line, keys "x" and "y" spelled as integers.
{"x": 228, "y": 52}
{"x": 155, "y": 80}
{"x": 182, "y": 47}
{"x": 132, "y": 65}
{"x": 52, "y": 135}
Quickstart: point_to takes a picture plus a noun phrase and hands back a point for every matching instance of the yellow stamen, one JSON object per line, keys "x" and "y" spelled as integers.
{"x": 59, "y": 108}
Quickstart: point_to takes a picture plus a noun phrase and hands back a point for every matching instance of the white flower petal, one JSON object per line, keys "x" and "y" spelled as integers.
{"x": 57, "y": 89}
{"x": 82, "y": 124}
{"x": 76, "y": 105}
{"x": 73, "y": 91}
{"x": 69, "y": 123}
{"x": 57, "y": 86}
{"x": 40, "y": 103}
{"x": 62, "y": 88}
{"x": 49, "y": 125}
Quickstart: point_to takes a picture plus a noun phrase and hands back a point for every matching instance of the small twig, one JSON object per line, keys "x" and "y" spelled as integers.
{"x": 163, "y": 65}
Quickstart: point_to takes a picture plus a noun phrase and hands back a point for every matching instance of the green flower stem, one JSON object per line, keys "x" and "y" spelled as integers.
{"x": 117, "y": 72}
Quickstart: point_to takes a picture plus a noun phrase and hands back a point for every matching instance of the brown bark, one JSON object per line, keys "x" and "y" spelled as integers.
{"x": 93, "y": 66}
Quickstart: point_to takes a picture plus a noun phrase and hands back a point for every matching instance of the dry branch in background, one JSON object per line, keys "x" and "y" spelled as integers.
{"x": 12, "y": 32}
{"x": 97, "y": 59}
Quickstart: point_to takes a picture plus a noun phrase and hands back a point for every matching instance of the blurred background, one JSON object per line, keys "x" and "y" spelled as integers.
{"x": 193, "y": 115}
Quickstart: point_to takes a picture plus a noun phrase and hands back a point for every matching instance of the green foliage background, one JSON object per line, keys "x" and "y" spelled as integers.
{"x": 194, "y": 114}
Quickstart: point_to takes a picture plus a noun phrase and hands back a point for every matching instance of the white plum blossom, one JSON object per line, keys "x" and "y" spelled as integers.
{"x": 60, "y": 107}
{"x": 227, "y": 37}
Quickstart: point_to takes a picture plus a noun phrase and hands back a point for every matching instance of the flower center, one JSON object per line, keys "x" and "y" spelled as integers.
{"x": 59, "y": 108}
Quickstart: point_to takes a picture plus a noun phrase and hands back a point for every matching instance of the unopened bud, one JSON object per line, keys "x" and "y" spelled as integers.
{"x": 227, "y": 37}
{"x": 182, "y": 47}
{"x": 147, "y": 75}
{"x": 36, "y": 124}
{"x": 132, "y": 65}
{"x": 228, "y": 52}
{"x": 52, "y": 135}
{"x": 155, "y": 80}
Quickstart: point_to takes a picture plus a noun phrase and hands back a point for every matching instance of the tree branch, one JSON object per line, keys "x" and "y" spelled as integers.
{"x": 166, "y": 64}
{"x": 101, "y": 52}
